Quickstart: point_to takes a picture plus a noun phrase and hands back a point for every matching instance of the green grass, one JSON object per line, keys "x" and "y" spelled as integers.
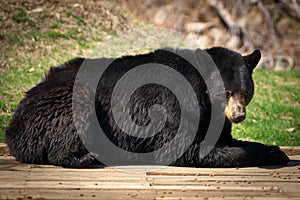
{"x": 22, "y": 17}
{"x": 273, "y": 115}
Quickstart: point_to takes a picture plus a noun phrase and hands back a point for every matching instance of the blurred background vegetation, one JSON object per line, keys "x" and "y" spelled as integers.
{"x": 38, "y": 34}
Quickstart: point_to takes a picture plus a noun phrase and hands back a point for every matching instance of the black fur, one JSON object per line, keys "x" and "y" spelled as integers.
{"x": 42, "y": 129}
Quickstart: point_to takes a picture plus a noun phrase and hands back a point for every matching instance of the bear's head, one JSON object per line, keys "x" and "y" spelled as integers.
{"x": 236, "y": 71}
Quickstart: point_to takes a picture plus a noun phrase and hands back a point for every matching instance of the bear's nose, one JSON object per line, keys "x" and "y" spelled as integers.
{"x": 239, "y": 116}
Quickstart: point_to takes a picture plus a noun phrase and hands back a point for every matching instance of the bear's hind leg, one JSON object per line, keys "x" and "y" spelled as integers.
{"x": 72, "y": 161}
{"x": 84, "y": 161}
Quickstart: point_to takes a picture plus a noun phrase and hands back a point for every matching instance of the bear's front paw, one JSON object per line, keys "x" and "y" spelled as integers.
{"x": 261, "y": 154}
{"x": 276, "y": 156}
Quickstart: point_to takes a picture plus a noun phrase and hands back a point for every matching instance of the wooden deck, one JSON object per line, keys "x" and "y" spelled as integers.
{"x": 25, "y": 181}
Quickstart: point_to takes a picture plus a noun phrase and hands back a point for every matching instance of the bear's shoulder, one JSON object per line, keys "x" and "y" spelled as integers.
{"x": 63, "y": 71}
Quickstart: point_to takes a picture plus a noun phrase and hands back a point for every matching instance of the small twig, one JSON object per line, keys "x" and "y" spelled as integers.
{"x": 234, "y": 28}
{"x": 296, "y": 7}
{"x": 225, "y": 16}
{"x": 293, "y": 5}
{"x": 269, "y": 20}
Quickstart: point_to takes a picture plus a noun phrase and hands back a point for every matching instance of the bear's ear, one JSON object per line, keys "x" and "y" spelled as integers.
{"x": 252, "y": 60}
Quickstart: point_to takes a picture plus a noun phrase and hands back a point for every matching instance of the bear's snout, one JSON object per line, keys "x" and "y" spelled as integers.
{"x": 235, "y": 109}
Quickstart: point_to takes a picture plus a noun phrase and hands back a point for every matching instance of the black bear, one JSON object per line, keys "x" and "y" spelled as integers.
{"x": 43, "y": 128}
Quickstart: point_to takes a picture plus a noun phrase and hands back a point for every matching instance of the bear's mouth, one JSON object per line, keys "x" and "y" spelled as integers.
{"x": 238, "y": 117}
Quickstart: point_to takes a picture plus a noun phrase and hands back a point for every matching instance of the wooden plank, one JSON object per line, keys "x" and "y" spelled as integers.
{"x": 181, "y": 192}
{"x": 291, "y": 150}
{"x": 139, "y": 194}
{"x": 150, "y": 193}
{"x": 123, "y": 184}
{"x": 67, "y": 176}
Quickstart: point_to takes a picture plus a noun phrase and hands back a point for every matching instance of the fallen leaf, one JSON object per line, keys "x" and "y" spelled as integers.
{"x": 31, "y": 69}
{"x": 290, "y": 129}
{"x": 37, "y": 10}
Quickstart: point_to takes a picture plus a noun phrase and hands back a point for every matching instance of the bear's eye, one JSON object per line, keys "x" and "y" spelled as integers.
{"x": 228, "y": 93}
{"x": 246, "y": 94}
